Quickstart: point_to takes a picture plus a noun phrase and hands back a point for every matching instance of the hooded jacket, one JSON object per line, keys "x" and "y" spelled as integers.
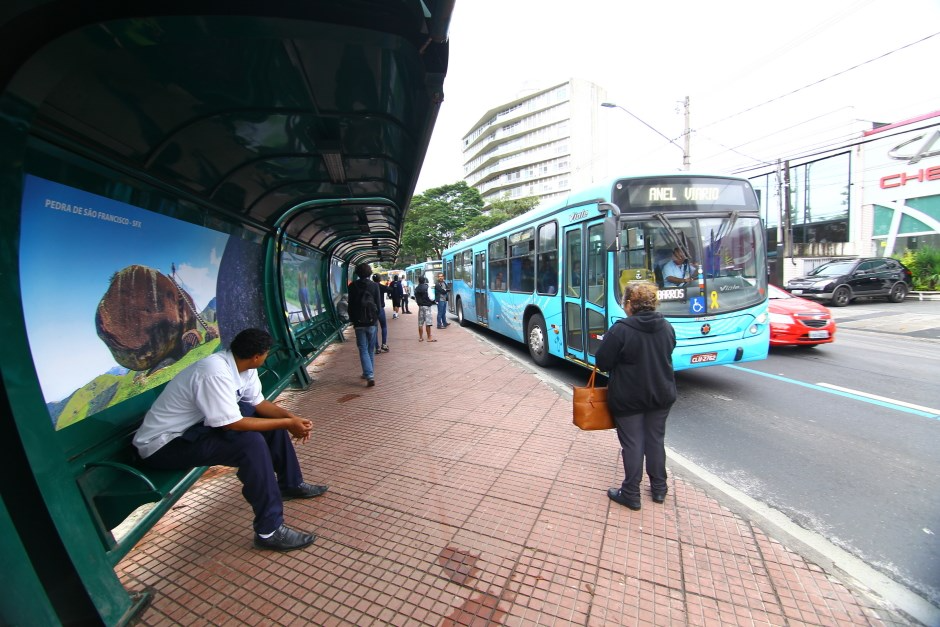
{"x": 421, "y": 296}
{"x": 636, "y": 352}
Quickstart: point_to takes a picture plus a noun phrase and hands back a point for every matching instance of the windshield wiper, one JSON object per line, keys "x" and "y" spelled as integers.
{"x": 724, "y": 231}
{"x": 679, "y": 242}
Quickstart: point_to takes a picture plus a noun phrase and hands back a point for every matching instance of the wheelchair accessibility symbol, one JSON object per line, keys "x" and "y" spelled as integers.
{"x": 697, "y": 305}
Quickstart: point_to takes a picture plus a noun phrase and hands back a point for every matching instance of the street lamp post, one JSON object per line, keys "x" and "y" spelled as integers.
{"x": 686, "y": 158}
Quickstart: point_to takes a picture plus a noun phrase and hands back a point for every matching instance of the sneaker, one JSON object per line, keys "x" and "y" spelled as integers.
{"x": 371, "y": 383}
{"x": 285, "y": 539}
{"x": 394, "y": 315}
{"x": 384, "y": 348}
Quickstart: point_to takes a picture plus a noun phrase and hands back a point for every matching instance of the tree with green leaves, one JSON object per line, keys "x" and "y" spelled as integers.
{"x": 496, "y": 213}
{"x": 434, "y": 220}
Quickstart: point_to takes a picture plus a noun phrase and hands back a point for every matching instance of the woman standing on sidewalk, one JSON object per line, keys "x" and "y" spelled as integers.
{"x": 637, "y": 354}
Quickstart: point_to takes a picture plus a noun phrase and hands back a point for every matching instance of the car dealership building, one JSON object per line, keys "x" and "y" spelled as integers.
{"x": 877, "y": 196}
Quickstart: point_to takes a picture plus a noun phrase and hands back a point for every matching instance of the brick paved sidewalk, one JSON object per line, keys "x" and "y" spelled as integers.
{"x": 461, "y": 494}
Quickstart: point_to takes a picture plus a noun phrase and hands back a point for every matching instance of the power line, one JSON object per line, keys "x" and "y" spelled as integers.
{"x": 822, "y": 80}
{"x": 735, "y": 149}
{"x": 835, "y": 18}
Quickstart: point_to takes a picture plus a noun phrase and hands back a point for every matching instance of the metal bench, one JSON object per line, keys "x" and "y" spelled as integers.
{"x": 114, "y": 485}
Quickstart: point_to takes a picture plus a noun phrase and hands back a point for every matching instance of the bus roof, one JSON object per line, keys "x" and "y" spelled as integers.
{"x": 599, "y": 192}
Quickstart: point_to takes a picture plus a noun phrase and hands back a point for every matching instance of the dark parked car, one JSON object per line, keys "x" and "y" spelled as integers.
{"x": 842, "y": 281}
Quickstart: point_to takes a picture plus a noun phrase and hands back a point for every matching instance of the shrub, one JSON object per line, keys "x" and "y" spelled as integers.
{"x": 924, "y": 264}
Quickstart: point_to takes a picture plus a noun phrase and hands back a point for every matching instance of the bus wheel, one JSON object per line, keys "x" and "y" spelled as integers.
{"x": 537, "y": 340}
{"x": 460, "y": 319}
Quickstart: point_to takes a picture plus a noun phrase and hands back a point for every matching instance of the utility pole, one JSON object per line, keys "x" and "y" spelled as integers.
{"x": 781, "y": 229}
{"x": 687, "y": 144}
{"x": 787, "y": 207}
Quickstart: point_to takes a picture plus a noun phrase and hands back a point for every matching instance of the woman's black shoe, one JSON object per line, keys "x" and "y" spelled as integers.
{"x": 614, "y": 494}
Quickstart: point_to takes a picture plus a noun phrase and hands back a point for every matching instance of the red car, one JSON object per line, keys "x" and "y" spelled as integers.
{"x": 796, "y": 321}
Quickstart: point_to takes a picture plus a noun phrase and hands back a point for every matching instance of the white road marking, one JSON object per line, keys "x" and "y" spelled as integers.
{"x": 885, "y": 399}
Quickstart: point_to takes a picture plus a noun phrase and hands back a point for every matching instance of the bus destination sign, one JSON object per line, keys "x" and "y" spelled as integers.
{"x": 682, "y": 193}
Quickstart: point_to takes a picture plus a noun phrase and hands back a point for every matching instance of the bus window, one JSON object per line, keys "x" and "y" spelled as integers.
{"x": 522, "y": 262}
{"x": 573, "y": 264}
{"x": 635, "y": 262}
{"x": 468, "y": 267}
{"x": 497, "y": 260}
{"x": 596, "y": 270}
{"x": 573, "y": 337}
{"x": 597, "y": 325}
{"x": 547, "y": 259}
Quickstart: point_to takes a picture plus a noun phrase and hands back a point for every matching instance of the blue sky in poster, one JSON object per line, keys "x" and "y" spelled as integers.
{"x": 71, "y": 243}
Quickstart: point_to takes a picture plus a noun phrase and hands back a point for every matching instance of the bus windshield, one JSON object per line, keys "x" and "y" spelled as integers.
{"x": 702, "y": 265}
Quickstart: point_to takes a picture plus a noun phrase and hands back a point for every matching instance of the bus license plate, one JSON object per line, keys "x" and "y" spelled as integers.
{"x": 702, "y": 358}
{"x": 818, "y": 335}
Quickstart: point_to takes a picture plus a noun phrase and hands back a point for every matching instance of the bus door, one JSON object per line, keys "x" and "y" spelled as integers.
{"x": 585, "y": 290}
{"x": 449, "y": 279}
{"x": 479, "y": 286}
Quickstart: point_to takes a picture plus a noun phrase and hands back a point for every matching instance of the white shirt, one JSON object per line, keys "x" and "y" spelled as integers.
{"x": 673, "y": 269}
{"x": 208, "y": 391}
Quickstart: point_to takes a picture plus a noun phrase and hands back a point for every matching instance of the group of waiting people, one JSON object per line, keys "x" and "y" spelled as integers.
{"x": 214, "y": 412}
{"x": 398, "y": 290}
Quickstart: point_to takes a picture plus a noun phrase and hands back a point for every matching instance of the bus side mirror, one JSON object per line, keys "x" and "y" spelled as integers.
{"x": 611, "y": 225}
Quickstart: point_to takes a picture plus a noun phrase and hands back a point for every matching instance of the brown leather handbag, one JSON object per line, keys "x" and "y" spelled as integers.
{"x": 590, "y": 407}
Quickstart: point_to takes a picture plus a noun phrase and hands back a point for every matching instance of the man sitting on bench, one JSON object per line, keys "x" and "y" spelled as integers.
{"x": 213, "y": 413}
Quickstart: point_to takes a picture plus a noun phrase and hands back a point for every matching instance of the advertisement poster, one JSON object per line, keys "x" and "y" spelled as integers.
{"x": 303, "y": 294}
{"x": 117, "y": 299}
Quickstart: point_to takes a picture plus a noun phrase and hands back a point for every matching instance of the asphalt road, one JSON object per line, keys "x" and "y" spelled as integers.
{"x": 843, "y": 439}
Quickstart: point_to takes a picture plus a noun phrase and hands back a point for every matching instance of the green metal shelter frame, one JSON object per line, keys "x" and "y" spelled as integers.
{"x": 300, "y": 123}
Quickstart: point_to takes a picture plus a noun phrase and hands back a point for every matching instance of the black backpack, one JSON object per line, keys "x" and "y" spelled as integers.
{"x": 368, "y": 308}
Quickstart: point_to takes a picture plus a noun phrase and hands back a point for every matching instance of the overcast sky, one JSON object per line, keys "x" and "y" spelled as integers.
{"x": 729, "y": 56}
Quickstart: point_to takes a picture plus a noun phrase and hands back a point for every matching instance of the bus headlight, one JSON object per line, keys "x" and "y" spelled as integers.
{"x": 761, "y": 319}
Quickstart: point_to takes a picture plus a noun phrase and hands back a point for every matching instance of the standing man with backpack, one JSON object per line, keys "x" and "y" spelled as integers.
{"x": 424, "y": 308}
{"x": 364, "y": 297}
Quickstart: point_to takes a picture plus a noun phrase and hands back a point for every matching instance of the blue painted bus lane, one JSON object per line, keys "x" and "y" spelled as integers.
{"x": 917, "y": 410}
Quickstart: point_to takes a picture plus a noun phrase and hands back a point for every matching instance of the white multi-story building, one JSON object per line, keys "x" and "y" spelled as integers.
{"x": 543, "y": 144}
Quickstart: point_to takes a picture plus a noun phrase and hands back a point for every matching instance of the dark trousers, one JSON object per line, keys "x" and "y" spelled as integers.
{"x": 441, "y": 314}
{"x": 266, "y": 463}
{"x": 640, "y": 435}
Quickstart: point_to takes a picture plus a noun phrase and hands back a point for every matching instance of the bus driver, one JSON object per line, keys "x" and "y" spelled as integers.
{"x": 676, "y": 272}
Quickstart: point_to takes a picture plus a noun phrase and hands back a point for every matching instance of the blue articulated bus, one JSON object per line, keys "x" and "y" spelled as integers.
{"x": 428, "y": 269}
{"x": 553, "y": 277}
